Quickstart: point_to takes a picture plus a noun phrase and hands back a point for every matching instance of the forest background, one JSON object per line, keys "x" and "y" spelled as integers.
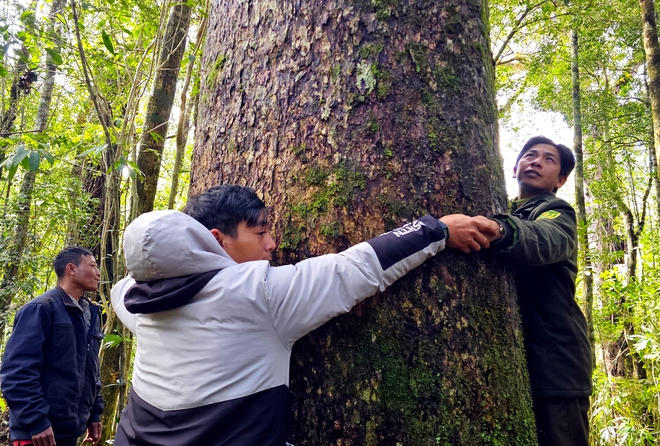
{"x": 98, "y": 99}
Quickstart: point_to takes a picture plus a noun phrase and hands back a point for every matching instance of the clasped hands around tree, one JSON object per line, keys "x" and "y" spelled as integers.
{"x": 469, "y": 234}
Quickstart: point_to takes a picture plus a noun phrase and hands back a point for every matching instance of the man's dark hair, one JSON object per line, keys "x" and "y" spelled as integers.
{"x": 566, "y": 158}
{"x": 71, "y": 254}
{"x": 226, "y": 206}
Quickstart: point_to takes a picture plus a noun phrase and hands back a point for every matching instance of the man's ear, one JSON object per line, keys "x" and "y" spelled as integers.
{"x": 219, "y": 236}
{"x": 561, "y": 182}
{"x": 515, "y": 171}
{"x": 70, "y": 268}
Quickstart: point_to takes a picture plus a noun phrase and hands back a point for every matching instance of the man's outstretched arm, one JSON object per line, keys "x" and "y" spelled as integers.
{"x": 306, "y": 295}
{"x": 537, "y": 242}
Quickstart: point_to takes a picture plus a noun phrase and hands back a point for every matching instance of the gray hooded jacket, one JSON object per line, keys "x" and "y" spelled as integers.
{"x": 214, "y": 337}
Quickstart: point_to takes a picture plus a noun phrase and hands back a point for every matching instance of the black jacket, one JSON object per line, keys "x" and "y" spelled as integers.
{"x": 50, "y": 370}
{"x": 541, "y": 239}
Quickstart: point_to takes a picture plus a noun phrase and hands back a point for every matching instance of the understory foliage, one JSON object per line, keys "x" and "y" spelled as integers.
{"x": 119, "y": 41}
{"x": 626, "y": 409}
{"x": 105, "y": 55}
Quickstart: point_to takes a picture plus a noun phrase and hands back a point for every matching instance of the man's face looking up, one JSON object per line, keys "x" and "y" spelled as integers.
{"x": 538, "y": 171}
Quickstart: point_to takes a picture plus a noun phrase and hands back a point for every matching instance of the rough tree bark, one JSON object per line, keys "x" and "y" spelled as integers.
{"x": 652, "y": 50}
{"x": 351, "y": 118}
{"x": 17, "y": 247}
{"x": 160, "y": 106}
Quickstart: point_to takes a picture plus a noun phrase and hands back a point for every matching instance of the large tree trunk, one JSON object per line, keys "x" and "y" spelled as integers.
{"x": 350, "y": 118}
{"x": 652, "y": 50}
{"x": 160, "y": 106}
{"x": 8, "y": 287}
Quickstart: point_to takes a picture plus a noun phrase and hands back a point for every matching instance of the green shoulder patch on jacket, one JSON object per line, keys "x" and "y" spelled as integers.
{"x": 549, "y": 215}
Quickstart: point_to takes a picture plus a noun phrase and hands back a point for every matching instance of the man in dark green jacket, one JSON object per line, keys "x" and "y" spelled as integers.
{"x": 540, "y": 237}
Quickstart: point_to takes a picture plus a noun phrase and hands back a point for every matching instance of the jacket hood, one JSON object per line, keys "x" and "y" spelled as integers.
{"x": 165, "y": 294}
{"x": 167, "y": 244}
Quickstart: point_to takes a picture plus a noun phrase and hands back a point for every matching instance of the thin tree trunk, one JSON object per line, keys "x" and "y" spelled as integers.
{"x": 632, "y": 247}
{"x": 183, "y": 126}
{"x": 160, "y": 106}
{"x": 113, "y": 363}
{"x": 350, "y": 118}
{"x": 655, "y": 178}
{"x": 20, "y": 87}
{"x": 616, "y": 357}
{"x": 8, "y": 286}
{"x": 583, "y": 226}
{"x": 652, "y": 50}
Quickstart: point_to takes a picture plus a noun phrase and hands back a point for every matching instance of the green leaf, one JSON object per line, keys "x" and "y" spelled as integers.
{"x": 18, "y": 156}
{"x": 24, "y": 57}
{"x": 95, "y": 149}
{"x": 33, "y": 160}
{"x": 25, "y": 162}
{"x": 3, "y": 71}
{"x": 112, "y": 340}
{"x": 54, "y": 56}
{"x": 28, "y": 17}
{"x": 11, "y": 172}
{"x": 125, "y": 166}
{"x": 46, "y": 154}
{"x": 155, "y": 136}
{"x": 12, "y": 162}
{"x": 107, "y": 42}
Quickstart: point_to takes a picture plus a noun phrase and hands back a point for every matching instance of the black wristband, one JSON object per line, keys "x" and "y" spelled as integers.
{"x": 445, "y": 228}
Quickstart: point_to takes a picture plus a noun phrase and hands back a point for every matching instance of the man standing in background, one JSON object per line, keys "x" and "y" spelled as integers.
{"x": 50, "y": 370}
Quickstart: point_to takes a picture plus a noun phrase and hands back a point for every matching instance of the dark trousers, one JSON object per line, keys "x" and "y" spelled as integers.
{"x": 562, "y": 421}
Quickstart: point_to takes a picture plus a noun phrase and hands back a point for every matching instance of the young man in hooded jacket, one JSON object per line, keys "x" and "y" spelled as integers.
{"x": 215, "y": 322}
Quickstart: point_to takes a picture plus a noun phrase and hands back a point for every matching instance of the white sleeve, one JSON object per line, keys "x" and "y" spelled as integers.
{"x": 117, "y": 297}
{"x": 304, "y": 296}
